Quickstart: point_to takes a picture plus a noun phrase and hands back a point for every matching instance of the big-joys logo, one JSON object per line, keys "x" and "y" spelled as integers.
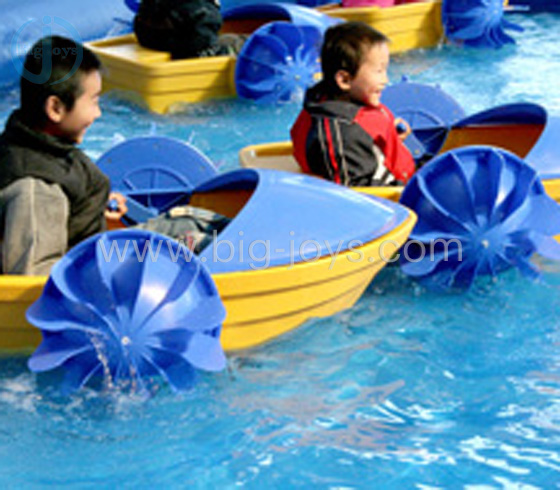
{"x": 29, "y": 33}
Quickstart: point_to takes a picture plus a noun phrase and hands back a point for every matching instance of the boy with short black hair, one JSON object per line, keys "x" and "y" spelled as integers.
{"x": 51, "y": 195}
{"x": 344, "y": 133}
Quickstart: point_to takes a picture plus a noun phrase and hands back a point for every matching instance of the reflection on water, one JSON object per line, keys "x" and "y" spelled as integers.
{"x": 408, "y": 387}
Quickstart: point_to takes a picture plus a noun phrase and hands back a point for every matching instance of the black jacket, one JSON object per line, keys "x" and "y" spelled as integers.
{"x": 28, "y": 153}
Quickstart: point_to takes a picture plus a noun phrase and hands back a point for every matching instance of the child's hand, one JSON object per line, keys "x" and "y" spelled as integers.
{"x": 116, "y": 207}
{"x": 403, "y": 128}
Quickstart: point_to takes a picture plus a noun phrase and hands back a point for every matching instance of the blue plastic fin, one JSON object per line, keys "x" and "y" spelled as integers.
{"x": 53, "y": 313}
{"x": 205, "y": 352}
{"x": 55, "y": 351}
{"x": 512, "y": 26}
{"x": 488, "y": 196}
{"x": 547, "y": 247}
{"x": 539, "y": 218}
{"x": 78, "y": 370}
{"x": 436, "y": 191}
{"x": 178, "y": 372}
{"x": 525, "y": 267}
{"x": 199, "y": 317}
{"x": 420, "y": 268}
{"x": 465, "y": 273}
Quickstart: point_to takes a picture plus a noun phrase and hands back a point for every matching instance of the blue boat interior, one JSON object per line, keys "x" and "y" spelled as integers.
{"x": 282, "y": 218}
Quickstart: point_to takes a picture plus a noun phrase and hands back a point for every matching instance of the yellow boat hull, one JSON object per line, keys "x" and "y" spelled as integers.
{"x": 152, "y": 80}
{"x": 260, "y": 305}
{"x": 279, "y": 156}
{"x": 408, "y": 26}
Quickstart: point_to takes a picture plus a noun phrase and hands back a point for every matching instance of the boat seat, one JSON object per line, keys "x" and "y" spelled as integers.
{"x": 517, "y": 138}
{"x": 127, "y": 47}
{"x": 278, "y": 157}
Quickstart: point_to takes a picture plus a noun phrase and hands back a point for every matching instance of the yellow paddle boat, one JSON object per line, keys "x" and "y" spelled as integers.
{"x": 153, "y": 80}
{"x": 526, "y": 130}
{"x": 276, "y": 264}
{"x": 411, "y": 25}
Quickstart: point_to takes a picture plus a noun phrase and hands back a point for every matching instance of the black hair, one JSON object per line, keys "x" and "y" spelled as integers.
{"x": 344, "y": 48}
{"x": 69, "y": 61}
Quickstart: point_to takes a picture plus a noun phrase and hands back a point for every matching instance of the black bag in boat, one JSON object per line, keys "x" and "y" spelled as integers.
{"x": 185, "y": 28}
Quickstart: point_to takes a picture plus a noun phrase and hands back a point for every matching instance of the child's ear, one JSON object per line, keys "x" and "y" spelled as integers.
{"x": 54, "y": 108}
{"x": 343, "y": 79}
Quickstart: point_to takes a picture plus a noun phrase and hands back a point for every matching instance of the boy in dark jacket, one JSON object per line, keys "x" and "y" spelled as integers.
{"x": 51, "y": 195}
{"x": 344, "y": 133}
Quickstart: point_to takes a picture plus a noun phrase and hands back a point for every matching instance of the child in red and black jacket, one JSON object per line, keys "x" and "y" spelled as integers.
{"x": 344, "y": 133}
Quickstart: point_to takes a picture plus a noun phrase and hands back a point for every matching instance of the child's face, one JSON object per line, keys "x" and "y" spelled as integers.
{"x": 73, "y": 124}
{"x": 371, "y": 79}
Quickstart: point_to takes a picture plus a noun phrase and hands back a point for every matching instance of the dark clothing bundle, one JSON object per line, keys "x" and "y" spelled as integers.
{"x": 185, "y": 28}
{"x": 191, "y": 226}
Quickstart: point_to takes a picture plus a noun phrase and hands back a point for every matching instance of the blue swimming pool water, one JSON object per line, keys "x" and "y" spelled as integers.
{"x": 408, "y": 389}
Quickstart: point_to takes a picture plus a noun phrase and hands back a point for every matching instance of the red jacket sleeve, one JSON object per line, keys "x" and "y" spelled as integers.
{"x": 379, "y": 123}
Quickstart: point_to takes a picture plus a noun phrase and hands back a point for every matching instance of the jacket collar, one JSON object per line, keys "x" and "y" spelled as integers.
{"x": 19, "y": 133}
{"x": 317, "y": 103}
